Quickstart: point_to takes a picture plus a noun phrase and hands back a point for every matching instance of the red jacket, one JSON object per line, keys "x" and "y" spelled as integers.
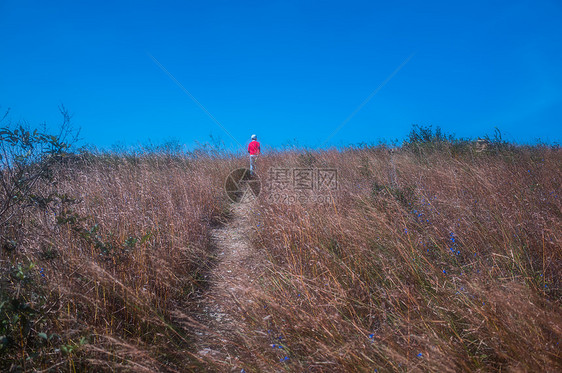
{"x": 254, "y": 147}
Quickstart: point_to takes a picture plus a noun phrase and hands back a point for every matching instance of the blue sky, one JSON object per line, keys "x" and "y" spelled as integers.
{"x": 284, "y": 70}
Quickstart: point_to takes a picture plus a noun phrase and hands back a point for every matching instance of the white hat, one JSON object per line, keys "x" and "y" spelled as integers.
{"x": 254, "y": 137}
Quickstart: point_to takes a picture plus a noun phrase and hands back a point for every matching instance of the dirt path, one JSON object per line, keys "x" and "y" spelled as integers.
{"x": 221, "y": 309}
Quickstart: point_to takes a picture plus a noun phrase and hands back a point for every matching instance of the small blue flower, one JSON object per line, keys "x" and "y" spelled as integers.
{"x": 445, "y": 272}
{"x": 371, "y": 336}
{"x": 419, "y": 355}
{"x": 284, "y": 359}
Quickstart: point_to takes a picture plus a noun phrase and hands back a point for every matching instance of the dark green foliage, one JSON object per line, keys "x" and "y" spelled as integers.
{"x": 24, "y": 325}
{"x": 27, "y": 161}
{"x": 426, "y": 135}
{"x": 27, "y": 158}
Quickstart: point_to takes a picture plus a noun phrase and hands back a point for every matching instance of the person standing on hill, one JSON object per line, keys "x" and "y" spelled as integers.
{"x": 254, "y": 150}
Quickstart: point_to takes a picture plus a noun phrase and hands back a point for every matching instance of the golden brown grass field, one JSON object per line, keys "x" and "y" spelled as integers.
{"x": 439, "y": 256}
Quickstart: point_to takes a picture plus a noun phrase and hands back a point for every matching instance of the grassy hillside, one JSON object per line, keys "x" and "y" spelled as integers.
{"x": 100, "y": 270}
{"x": 426, "y": 260}
{"x": 433, "y": 257}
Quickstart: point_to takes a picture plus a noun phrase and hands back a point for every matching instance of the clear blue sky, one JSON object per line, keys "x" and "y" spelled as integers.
{"x": 284, "y": 69}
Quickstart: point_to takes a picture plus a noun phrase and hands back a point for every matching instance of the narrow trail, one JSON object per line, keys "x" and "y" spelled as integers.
{"x": 221, "y": 309}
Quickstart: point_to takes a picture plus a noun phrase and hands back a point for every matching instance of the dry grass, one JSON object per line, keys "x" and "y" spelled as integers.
{"x": 424, "y": 261}
{"x": 119, "y": 266}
